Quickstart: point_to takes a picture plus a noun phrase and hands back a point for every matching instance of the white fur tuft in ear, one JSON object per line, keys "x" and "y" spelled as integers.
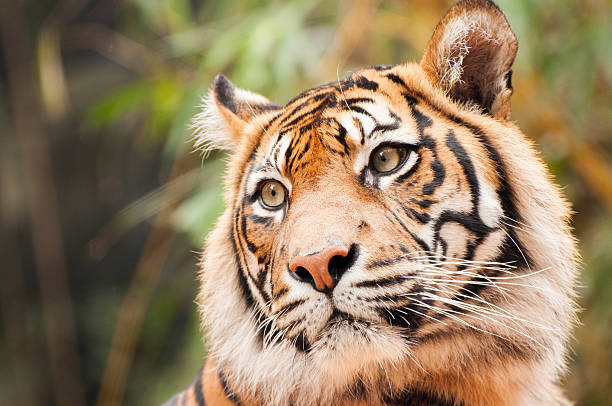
{"x": 211, "y": 130}
{"x": 456, "y": 37}
{"x": 470, "y": 56}
{"x": 226, "y": 112}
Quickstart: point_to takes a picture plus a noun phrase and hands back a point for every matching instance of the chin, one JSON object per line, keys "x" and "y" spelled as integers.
{"x": 348, "y": 348}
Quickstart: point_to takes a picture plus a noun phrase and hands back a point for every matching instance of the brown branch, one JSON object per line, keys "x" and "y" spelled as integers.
{"x": 53, "y": 83}
{"x": 26, "y": 386}
{"x": 42, "y": 205}
{"x": 113, "y": 45}
{"x": 138, "y": 297}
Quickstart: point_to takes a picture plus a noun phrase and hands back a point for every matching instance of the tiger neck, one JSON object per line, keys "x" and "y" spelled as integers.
{"x": 211, "y": 387}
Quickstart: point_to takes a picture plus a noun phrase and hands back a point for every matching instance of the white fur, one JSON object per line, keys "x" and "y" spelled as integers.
{"x": 210, "y": 127}
{"x": 232, "y": 339}
{"x": 455, "y": 40}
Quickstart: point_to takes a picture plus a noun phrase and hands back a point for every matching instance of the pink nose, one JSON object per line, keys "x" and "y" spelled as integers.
{"x": 316, "y": 267}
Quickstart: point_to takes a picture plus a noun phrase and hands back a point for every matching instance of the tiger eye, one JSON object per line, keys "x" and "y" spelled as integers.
{"x": 273, "y": 194}
{"x": 387, "y": 158}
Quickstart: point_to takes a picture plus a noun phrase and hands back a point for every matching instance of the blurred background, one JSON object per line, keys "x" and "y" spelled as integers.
{"x": 104, "y": 207}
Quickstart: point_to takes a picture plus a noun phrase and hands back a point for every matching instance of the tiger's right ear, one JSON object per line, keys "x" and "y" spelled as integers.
{"x": 470, "y": 56}
{"x": 226, "y": 111}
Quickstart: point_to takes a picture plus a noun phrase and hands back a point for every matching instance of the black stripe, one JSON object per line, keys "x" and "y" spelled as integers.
{"x": 380, "y": 67}
{"x": 378, "y": 283}
{"x": 402, "y": 316}
{"x": 355, "y": 100}
{"x": 197, "y": 388}
{"x": 226, "y": 389}
{"x": 329, "y": 101}
{"x": 472, "y": 221}
{"x": 243, "y": 231}
{"x": 506, "y": 348}
{"x": 364, "y": 83}
{"x": 468, "y": 168}
{"x": 505, "y": 191}
{"x": 240, "y": 261}
{"x": 428, "y": 142}
{"x": 289, "y": 165}
{"x": 509, "y": 254}
{"x": 305, "y": 103}
{"x": 302, "y": 343}
{"x": 421, "y": 398}
{"x": 259, "y": 108}
{"x": 280, "y": 293}
{"x": 345, "y": 84}
{"x": 266, "y": 331}
{"x": 290, "y": 306}
{"x": 396, "y": 79}
{"x": 341, "y": 137}
{"x": 424, "y": 246}
{"x": 357, "y": 109}
{"x": 266, "y": 221}
{"x": 423, "y": 218}
{"x": 410, "y": 99}
{"x": 242, "y": 282}
{"x": 307, "y": 127}
{"x": 388, "y": 127}
{"x": 289, "y": 152}
{"x": 423, "y": 203}
{"x": 421, "y": 119}
{"x": 359, "y": 126}
{"x": 410, "y": 171}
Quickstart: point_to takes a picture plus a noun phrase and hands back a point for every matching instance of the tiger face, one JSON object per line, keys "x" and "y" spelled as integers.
{"x": 349, "y": 197}
{"x": 389, "y": 232}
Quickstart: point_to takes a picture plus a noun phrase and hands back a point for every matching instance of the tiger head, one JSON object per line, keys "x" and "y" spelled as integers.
{"x": 390, "y": 232}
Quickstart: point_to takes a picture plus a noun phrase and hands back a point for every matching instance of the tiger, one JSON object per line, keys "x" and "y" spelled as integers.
{"x": 391, "y": 238}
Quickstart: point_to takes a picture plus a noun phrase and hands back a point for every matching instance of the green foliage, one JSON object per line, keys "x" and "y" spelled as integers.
{"x": 276, "y": 48}
{"x": 145, "y": 83}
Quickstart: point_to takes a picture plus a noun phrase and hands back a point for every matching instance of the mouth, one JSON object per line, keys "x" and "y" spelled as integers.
{"x": 345, "y": 337}
{"x": 343, "y": 321}
{"x": 338, "y": 316}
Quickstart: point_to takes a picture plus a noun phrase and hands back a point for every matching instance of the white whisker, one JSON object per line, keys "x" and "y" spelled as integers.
{"x": 517, "y": 247}
{"x": 479, "y": 315}
{"x": 340, "y": 86}
{"x": 256, "y": 118}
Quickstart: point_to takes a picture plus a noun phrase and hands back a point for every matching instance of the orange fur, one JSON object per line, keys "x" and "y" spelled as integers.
{"x": 458, "y": 284}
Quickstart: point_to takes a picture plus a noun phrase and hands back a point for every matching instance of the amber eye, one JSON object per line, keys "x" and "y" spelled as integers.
{"x": 387, "y": 157}
{"x": 272, "y": 194}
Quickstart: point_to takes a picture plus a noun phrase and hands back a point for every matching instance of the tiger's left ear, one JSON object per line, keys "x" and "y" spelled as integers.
{"x": 226, "y": 112}
{"x": 470, "y": 56}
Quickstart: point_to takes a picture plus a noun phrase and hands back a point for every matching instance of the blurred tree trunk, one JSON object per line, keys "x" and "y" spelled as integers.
{"x": 42, "y": 206}
{"x": 25, "y": 387}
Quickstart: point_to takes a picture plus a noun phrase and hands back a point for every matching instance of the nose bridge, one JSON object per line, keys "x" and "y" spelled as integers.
{"x": 315, "y": 225}
{"x": 325, "y": 210}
